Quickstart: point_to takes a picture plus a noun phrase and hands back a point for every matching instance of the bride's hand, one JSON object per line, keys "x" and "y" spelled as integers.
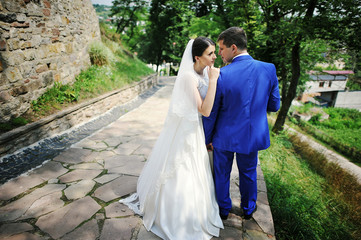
{"x": 213, "y": 73}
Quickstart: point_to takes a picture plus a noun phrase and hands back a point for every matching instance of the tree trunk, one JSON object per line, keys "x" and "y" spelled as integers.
{"x": 296, "y": 72}
{"x": 159, "y": 57}
{"x": 291, "y": 93}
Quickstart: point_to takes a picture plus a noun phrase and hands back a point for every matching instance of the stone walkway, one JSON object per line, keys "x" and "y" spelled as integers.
{"x": 75, "y": 195}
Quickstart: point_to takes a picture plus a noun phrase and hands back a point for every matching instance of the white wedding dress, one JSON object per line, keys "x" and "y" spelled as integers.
{"x": 175, "y": 191}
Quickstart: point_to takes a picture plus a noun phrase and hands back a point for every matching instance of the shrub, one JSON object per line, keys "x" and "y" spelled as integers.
{"x": 315, "y": 119}
{"x": 100, "y": 54}
{"x": 304, "y": 108}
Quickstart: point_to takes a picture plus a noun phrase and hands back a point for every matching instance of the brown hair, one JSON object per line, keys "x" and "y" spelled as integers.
{"x": 200, "y": 44}
{"x": 234, "y": 35}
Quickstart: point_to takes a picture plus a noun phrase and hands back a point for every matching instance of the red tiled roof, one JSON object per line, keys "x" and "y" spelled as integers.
{"x": 339, "y": 72}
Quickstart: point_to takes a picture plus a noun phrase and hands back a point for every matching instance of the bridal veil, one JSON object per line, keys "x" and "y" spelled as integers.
{"x": 183, "y": 107}
{"x": 175, "y": 192}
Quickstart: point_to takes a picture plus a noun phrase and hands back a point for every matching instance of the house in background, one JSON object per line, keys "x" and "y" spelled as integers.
{"x": 323, "y": 87}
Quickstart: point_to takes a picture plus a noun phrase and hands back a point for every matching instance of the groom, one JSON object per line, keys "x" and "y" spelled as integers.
{"x": 246, "y": 90}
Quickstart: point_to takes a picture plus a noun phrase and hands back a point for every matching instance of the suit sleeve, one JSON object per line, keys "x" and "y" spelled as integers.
{"x": 210, "y": 122}
{"x": 274, "y": 98}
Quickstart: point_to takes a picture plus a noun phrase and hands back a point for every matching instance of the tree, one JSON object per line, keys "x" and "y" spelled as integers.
{"x": 166, "y": 32}
{"x": 279, "y": 31}
{"x": 292, "y": 23}
{"x": 128, "y": 13}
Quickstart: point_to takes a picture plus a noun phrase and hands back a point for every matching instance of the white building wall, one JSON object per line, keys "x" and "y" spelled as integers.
{"x": 349, "y": 99}
{"x": 314, "y": 86}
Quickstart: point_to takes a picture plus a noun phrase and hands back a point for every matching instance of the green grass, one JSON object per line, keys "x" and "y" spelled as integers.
{"x": 304, "y": 203}
{"x": 348, "y": 137}
{"x": 113, "y": 67}
{"x": 13, "y": 123}
{"x": 341, "y": 131}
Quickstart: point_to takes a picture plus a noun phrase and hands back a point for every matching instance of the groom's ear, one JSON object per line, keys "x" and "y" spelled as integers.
{"x": 234, "y": 48}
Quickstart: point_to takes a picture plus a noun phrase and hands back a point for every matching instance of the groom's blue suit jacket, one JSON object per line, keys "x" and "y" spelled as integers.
{"x": 246, "y": 90}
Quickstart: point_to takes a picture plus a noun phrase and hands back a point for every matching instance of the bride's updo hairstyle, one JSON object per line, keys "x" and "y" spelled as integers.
{"x": 200, "y": 44}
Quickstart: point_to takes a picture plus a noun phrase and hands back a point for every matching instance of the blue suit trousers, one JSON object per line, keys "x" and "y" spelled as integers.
{"x": 247, "y": 168}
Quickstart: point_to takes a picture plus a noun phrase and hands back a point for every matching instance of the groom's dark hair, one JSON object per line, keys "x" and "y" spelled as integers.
{"x": 200, "y": 44}
{"x": 234, "y": 35}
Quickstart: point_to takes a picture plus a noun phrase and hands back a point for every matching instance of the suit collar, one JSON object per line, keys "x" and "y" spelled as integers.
{"x": 242, "y": 58}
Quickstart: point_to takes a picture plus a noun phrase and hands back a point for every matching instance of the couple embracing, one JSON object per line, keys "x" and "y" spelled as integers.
{"x": 177, "y": 194}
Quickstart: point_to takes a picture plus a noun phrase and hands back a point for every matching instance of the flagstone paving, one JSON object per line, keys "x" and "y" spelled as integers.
{"x": 75, "y": 194}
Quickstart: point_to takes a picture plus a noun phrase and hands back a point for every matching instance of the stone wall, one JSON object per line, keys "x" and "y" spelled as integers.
{"x": 77, "y": 115}
{"x": 41, "y": 42}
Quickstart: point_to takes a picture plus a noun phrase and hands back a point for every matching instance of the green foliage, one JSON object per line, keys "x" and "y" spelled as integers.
{"x": 58, "y": 94}
{"x": 13, "y": 123}
{"x": 304, "y": 108}
{"x": 281, "y": 32}
{"x": 342, "y": 118}
{"x": 304, "y": 204}
{"x": 315, "y": 119}
{"x": 128, "y": 13}
{"x": 354, "y": 83}
{"x": 103, "y": 11}
{"x": 100, "y": 54}
{"x": 19, "y": 121}
{"x": 4, "y": 127}
{"x": 114, "y": 67}
{"x": 130, "y": 20}
{"x": 341, "y": 131}
{"x": 166, "y": 32}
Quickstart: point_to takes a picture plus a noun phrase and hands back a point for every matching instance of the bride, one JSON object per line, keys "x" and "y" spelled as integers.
{"x": 175, "y": 191}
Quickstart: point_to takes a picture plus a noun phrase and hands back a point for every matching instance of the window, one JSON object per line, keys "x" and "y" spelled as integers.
{"x": 329, "y": 83}
{"x": 321, "y": 84}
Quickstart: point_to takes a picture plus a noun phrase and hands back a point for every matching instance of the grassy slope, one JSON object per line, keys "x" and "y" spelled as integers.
{"x": 120, "y": 69}
{"x": 341, "y": 131}
{"x": 308, "y": 197}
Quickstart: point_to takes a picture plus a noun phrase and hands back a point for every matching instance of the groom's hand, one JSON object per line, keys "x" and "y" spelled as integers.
{"x": 210, "y": 147}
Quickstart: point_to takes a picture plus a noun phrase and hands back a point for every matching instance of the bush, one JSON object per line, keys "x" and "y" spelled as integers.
{"x": 342, "y": 118}
{"x": 100, "y": 54}
{"x": 315, "y": 119}
{"x": 305, "y": 108}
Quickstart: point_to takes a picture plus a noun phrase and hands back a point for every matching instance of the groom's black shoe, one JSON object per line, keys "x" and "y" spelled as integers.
{"x": 223, "y": 217}
{"x": 249, "y": 216}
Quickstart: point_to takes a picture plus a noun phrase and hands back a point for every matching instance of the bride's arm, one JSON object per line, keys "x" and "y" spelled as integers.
{"x": 205, "y": 106}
